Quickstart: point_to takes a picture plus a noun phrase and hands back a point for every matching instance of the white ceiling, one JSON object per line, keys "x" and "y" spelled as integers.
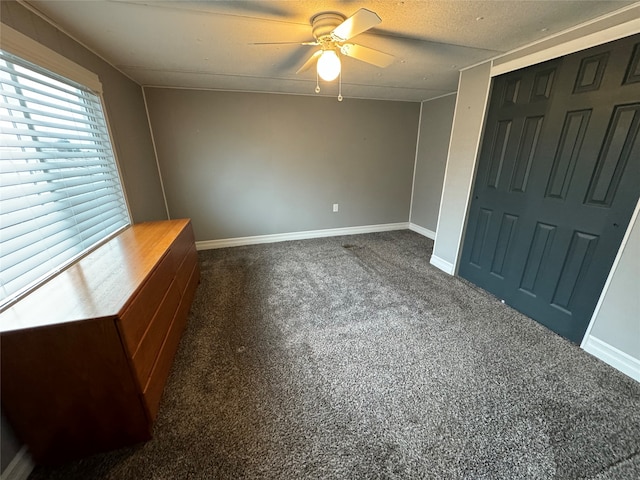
{"x": 208, "y": 44}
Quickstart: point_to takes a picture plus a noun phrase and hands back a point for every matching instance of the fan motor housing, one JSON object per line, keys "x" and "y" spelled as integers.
{"x": 324, "y": 23}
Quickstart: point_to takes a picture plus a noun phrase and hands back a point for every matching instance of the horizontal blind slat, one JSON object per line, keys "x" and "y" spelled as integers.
{"x": 42, "y": 248}
{"x": 36, "y": 176}
{"x": 13, "y": 155}
{"x": 32, "y": 236}
{"x": 70, "y": 231}
{"x": 52, "y": 163}
{"x": 56, "y": 148}
{"x": 66, "y": 134}
{"x": 74, "y": 196}
{"x": 33, "y": 107}
{"x": 69, "y": 186}
{"x": 44, "y": 116}
{"x": 12, "y": 267}
{"x": 62, "y": 95}
{"x": 58, "y": 125}
{"x": 29, "y": 231}
{"x": 22, "y": 223}
{"x": 23, "y": 67}
{"x": 32, "y": 93}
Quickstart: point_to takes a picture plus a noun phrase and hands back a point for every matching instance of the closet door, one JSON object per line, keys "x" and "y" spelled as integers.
{"x": 558, "y": 179}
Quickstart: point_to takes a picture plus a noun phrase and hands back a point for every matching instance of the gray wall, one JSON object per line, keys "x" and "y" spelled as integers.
{"x": 617, "y": 322}
{"x": 131, "y": 137}
{"x": 124, "y": 108}
{"x": 436, "y": 119}
{"x": 473, "y": 89}
{"x": 245, "y": 164}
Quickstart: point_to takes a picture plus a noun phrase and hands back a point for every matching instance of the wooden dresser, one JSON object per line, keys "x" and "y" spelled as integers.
{"x": 85, "y": 357}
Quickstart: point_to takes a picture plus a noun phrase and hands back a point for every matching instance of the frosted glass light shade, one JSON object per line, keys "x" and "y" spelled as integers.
{"x": 328, "y": 65}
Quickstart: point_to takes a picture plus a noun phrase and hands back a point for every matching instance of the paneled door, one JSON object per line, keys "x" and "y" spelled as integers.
{"x": 557, "y": 182}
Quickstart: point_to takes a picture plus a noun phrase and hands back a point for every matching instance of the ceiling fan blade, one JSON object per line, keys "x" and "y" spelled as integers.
{"x": 310, "y": 61}
{"x": 357, "y": 23}
{"x": 291, "y": 60}
{"x": 366, "y": 54}
{"x": 284, "y": 43}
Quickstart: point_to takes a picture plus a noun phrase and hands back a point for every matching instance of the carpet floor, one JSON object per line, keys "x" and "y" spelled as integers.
{"x": 353, "y": 358}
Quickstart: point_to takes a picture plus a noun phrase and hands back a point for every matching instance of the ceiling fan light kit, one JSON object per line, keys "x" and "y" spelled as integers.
{"x": 328, "y": 65}
{"x": 331, "y": 31}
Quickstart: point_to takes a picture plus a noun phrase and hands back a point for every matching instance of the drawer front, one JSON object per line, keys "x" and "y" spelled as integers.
{"x": 192, "y": 285}
{"x": 183, "y": 243}
{"x": 135, "y": 320}
{"x": 155, "y": 386}
{"x": 184, "y": 272}
{"x": 145, "y": 356}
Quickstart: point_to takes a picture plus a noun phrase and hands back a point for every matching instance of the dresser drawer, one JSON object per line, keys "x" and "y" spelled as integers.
{"x": 154, "y": 387}
{"x": 183, "y": 244}
{"x": 135, "y": 320}
{"x": 145, "y": 356}
{"x": 184, "y": 272}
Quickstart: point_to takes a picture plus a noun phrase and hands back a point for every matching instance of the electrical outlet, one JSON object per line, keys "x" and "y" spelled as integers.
{"x": 335, "y": 207}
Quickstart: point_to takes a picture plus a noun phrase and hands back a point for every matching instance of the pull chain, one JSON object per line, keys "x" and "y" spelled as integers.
{"x": 340, "y": 87}
{"x": 317, "y": 82}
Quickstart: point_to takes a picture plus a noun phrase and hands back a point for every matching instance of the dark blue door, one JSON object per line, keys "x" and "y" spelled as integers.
{"x": 557, "y": 182}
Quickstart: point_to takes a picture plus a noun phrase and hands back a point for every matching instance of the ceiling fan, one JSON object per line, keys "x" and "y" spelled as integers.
{"x": 331, "y": 32}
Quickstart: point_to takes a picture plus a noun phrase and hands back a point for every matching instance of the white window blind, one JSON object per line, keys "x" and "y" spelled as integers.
{"x": 60, "y": 191}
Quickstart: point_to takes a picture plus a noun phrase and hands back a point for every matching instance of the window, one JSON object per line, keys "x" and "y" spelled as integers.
{"x": 60, "y": 191}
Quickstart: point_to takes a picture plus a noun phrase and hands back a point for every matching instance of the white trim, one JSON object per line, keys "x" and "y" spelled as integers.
{"x": 415, "y": 164}
{"x": 155, "y": 153}
{"x": 453, "y": 267}
{"x": 27, "y": 48}
{"x": 446, "y": 166}
{"x": 284, "y": 237}
{"x": 472, "y": 178}
{"x": 572, "y": 45}
{"x": 20, "y": 467}
{"x": 619, "y": 360}
{"x": 634, "y": 218}
{"x": 443, "y": 265}
{"x": 425, "y": 232}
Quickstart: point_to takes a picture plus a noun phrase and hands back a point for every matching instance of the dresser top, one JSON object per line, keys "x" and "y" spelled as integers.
{"x": 100, "y": 284}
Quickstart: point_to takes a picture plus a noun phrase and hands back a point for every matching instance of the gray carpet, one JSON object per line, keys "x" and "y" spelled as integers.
{"x": 354, "y": 358}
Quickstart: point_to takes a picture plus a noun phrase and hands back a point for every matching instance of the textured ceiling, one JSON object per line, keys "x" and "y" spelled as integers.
{"x": 208, "y": 44}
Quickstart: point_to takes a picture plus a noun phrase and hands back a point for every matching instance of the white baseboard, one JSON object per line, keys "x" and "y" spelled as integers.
{"x": 425, "y": 232}
{"x": 20, "y": 467}
{"x": 442, "y": 264}
{"x": 283, "y": 237}
{"x": 616, "y": 358}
